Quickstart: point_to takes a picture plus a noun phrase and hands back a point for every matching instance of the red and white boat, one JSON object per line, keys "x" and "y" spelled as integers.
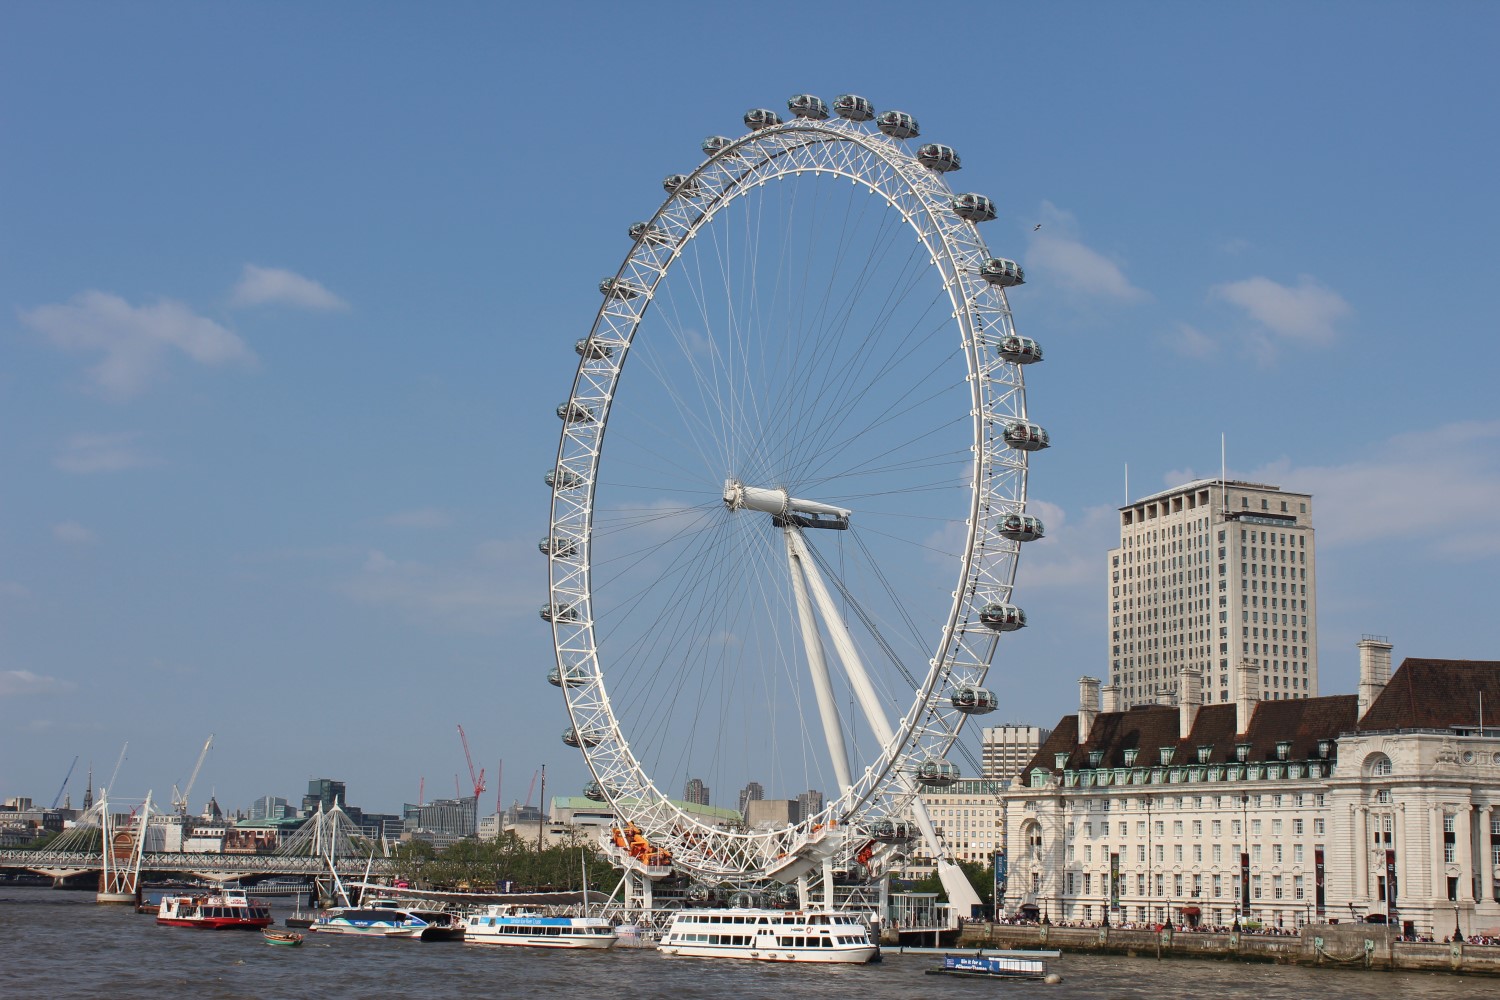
{"x": 228, "y": 909}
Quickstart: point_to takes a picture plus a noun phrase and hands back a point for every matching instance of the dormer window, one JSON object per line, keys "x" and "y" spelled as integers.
{"x": 1130, "y": 756}
{"x": 1096, "y": 757}
{"x": 1283, "y": 748}
{"x": 1204, "y": 753}
{"x": 1324, "y": 748}
{"x": 1166, "y": 755}
{"x": 1060, "y": 759}
{"x": 1242, "y": 752}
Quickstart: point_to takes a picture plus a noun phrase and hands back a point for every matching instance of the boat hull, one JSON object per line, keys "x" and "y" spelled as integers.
{"x": 528, "y": 941}
{"x": 217, "y": 923}
{"x": 806, "y": 956}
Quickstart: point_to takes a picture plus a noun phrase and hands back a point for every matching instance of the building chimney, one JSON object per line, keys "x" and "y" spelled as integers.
{"x": 1374, "y": 669}
{"x": 1189, "y": 699}
{"x": 1088, "y": 706}
{"x": 1247, "y": 693}
{"x": 1111, "y": 697}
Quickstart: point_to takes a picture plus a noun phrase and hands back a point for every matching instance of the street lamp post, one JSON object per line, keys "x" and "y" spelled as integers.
{"x": 1458, "y": 935}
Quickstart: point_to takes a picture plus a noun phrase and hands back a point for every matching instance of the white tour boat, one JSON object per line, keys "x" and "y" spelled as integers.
{"x": 769, "y": 936}
{"x": 515, "y": 926}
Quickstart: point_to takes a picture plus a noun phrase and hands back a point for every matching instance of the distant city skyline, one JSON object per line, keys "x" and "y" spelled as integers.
{"x": 281, "y": 350}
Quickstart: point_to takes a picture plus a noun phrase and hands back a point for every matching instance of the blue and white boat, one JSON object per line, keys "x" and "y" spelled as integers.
{"x": 1008, "y": 966}
{"x": 390, "y": 919}
{"x": 509, "y": 925}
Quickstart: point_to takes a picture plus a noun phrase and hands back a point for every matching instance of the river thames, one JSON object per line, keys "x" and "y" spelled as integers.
{"x": 62, "y": 944}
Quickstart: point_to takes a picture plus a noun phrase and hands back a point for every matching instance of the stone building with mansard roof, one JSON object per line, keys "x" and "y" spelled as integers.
{"x": 1325, "y": 803}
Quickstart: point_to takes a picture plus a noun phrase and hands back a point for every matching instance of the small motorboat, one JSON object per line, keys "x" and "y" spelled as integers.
{"x": 286, "y": 939}
{"x": 1008, "y": 965}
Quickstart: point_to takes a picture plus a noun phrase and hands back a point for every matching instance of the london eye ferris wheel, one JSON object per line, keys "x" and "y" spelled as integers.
{"x": 790, "y": 494}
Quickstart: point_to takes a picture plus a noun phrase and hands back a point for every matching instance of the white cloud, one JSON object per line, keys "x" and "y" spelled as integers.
{"x": 20, "y": 683}
{"x": 1306, "y": 314}
{"x": 136, "y": 341}
{"x": 423, "y": 517}
{"x": 1068, "y": 555}
{"x": 1056, "y": 253}
{"x": 1191, "y": 342}
{"x": 72, "y": 533}
{"x": 261, "y": 286}
{"x": 113, "y": 452}
{"x": 1455, "y": 468}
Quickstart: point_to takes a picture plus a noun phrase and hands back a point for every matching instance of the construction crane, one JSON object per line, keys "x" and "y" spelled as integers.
{"x": 476, "y": 779}
{"x": 180, "y": 802}
{"x": 116, "y": 772}
{"x": 58, "y": 797}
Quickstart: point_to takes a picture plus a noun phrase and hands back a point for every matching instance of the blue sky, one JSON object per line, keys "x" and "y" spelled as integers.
{"x": 288, "y": 294}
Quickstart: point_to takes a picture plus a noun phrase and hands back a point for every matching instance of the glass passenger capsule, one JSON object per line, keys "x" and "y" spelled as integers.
{"x": 1019, "y": 350}
{"x": 1023, "y": 435}
{"x": 1021, "y": 527}
{"x": 891, "y": 831}
{"x": 974, "y": 207}
{"x": 759, "y": 118}
{"x": 575, "y": 413}
{"x": 1002, "y": 617}
{"x": 713, "y": 144}
{"x": 934, "y": 772}
{"x": 596, "y": 792}
{"x": 564, "y": 480}
{"x": 559, "y": 613}
{"x": 807, "y": 106}
{"x": 555, "y": 678}
{"x": 563, "y": 548}
{"x": 585, "y": 738}
{"x": 590, "y": 348}
{"x": 972, "y": 700}
{"x": 936, "y": 156}
{"x": 618, "y": 288}
{"x": 644, "y": 232}
{"x": 1002, "y": 272}
{"x": 853, "y": 107}
{"x": 682, "y": 184}
{"x": 898, "y": 125}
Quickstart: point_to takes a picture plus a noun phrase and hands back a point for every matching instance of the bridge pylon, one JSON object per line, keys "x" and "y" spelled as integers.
{"x": 123, "y": 843}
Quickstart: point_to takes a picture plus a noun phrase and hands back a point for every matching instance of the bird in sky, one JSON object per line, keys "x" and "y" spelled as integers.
{"x": 1036, "y": 227}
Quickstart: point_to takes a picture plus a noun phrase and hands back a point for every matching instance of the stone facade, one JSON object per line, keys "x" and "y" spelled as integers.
{"x": 1312, "y": 792}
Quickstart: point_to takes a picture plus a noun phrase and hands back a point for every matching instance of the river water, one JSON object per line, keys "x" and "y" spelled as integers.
{"x": 62, "y": 945}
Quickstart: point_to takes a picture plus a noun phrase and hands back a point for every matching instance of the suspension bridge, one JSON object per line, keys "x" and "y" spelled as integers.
{"x": 119, "y": 845}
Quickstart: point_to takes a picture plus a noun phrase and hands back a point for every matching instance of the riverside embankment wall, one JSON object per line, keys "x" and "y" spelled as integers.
{"x": 1355, "y": 946}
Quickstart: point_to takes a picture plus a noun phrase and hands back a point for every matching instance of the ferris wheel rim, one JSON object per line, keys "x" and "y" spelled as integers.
{"x": 571, "y": 589}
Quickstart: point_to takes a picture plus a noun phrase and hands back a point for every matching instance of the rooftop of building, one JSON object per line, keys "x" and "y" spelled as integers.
{"x": 1198, "y": 484}
{"x": 1421, "y": 694}
{"x": 1148, "y": 728}
{"x": 1435, "y": 694}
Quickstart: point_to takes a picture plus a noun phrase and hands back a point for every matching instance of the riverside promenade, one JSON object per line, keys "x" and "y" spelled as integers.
{"x": 1354, "y": 946}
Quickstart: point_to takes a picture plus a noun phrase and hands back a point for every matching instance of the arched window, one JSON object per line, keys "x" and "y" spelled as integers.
{"x": 1378, "y": 765}
{"x": 1032, "y": 834}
